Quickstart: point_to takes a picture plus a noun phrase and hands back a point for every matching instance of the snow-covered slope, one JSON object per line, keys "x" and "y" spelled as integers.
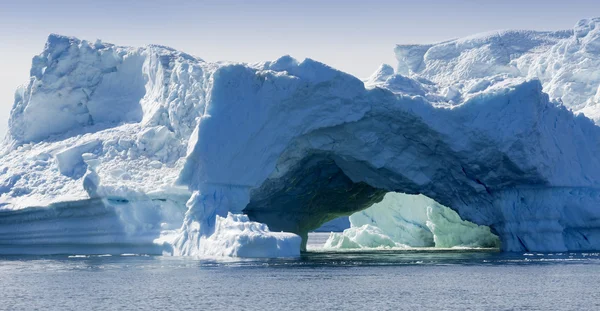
{"x": 141, "y": 131}
{"x": 566, "y": 62}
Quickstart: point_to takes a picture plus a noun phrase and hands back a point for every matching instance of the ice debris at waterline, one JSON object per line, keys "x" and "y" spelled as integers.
{"x": 403, "y": 221}
{"x": 294, "y": 144}
{"x": 236, "y": 235}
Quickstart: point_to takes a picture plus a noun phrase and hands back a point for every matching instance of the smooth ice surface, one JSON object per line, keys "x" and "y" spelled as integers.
{"x": 92, "y": 226}
{"x": 403, "y": 221}
{"x": 468, "y": 123}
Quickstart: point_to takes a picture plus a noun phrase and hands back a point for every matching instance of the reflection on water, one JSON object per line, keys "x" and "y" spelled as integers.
{"x": 443, "y": 257}
{"x": 422, "y": 279}
{"x": 320, "y": 258}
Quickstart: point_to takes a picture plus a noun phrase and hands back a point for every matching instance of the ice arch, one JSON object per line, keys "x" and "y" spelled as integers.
{"x": 288, "y": 149}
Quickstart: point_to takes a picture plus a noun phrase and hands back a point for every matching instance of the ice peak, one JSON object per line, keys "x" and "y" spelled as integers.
{"x": 55, "y": 39}
{"x": 584, "y": 26}
{"x": 382, "y": 73}
{"x": 284, "y": 63}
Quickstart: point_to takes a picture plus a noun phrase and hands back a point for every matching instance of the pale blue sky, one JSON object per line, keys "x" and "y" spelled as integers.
{"x": 353, "y": 36}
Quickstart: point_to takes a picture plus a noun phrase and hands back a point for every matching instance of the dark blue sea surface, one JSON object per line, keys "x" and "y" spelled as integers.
{"x": 319, "y": 280}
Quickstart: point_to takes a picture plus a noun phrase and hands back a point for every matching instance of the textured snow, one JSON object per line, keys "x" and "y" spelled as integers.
{"x": 565, "y": 62}
{"x": 132, "y": 110}
{"x": 404, "y": 220}
{"x": 365, "y": 236}
{"x": 236, "y": 235}
{"x": 294, "y": 144}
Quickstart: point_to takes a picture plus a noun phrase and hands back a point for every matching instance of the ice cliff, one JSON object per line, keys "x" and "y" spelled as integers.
{"x": 116, "y": 148}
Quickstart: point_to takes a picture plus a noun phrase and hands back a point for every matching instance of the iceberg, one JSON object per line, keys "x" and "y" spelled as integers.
{"x": 365, "y": 236}
{"x": 405, "y": 221}
{"x": 121, "y": 149}
{"x": 236, "y": 235}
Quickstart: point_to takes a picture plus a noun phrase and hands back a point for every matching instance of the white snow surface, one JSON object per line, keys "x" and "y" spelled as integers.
{"x": 468, "y": 123}
{"x": 566, "y": 62}
{"x": 404, "y": 220}
{"x": 236, "y": 235}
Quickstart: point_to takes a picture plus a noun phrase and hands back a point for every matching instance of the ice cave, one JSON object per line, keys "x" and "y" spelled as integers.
{"x": 121, "y": 149}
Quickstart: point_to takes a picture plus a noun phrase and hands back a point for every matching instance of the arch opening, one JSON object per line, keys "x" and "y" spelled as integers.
{"x": 317, "y": 190}
{"x": 313, "y": 193}
{"x": 410, "y": 221}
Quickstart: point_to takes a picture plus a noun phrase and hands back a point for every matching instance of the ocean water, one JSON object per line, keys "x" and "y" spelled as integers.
{"x": 319, "y": 280}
